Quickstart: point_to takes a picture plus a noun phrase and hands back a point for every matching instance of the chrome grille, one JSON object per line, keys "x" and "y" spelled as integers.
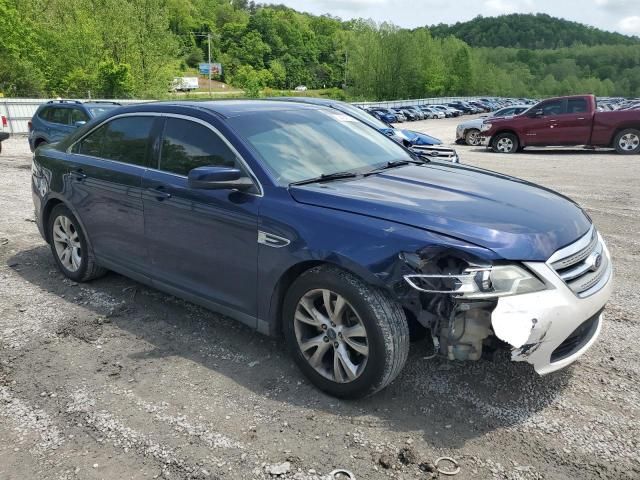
{"x": 584, "y": 265}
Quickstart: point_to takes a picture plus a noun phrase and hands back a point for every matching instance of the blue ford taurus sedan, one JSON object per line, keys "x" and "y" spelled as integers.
{"x": 301, "y": 221}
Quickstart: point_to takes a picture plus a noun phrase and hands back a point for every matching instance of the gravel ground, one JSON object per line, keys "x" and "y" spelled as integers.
{"x": 112, "y": 379}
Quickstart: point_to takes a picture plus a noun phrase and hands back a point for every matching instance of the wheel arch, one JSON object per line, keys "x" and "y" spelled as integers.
{"x": 620, "y": 128}
{"x": 48, "y": 207}
{"x": 507, "y": 130}
{"x": 290, "y": 275}
{"x": 39, "y": 141}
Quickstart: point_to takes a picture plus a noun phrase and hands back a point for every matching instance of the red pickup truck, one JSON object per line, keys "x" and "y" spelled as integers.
{"x": 564, "y": 121}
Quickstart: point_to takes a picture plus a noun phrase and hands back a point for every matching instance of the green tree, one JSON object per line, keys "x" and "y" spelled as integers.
{"x": 114, "y": 80}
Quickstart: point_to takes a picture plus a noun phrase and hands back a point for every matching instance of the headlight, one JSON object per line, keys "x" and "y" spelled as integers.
{"x": 497, "y": 281}
{"x": 485, "y": 127}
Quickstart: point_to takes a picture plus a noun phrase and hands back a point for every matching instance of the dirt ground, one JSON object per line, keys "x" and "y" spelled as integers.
{"x": 114, "y": 380}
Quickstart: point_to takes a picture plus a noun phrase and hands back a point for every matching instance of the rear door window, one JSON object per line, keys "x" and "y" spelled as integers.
{"x": 78, "y": 115}
{"x": 59, "y": 115}
{"x": 187, "y": 145}
{"x": 577, "y": 105}
{"x": 123, "y": 140}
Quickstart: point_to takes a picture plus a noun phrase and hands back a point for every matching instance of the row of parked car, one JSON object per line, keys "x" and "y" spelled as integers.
{"x": 456, "y": 108}
{"x": 56, "y": 119}
{"x": 610, "y": 104}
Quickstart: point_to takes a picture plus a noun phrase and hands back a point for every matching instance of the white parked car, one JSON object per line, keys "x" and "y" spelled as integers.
{"x": 301, "y": 88}
{"x": 469, "y": 132}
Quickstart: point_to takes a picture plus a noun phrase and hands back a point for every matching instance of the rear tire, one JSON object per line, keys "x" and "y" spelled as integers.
{"x": 627, "y": 142}
{"x": 505, "y": 143}
{"x": 321, "y": 338}
{"x": 69, "y": 246}
{"x": 472, "y": 137}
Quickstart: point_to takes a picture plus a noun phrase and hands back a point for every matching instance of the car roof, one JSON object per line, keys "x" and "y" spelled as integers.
{"x": 224, "y": 108}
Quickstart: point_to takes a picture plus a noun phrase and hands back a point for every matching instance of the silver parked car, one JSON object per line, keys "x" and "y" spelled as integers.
{"x": 469, "y": 132}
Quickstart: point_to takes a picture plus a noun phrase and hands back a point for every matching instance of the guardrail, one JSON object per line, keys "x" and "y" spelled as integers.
{"x": 20, "y": 110}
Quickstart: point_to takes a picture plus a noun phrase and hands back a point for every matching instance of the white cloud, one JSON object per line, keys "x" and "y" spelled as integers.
{"x": 616, "y": 4}
{"x": 630, "y": 24}
{"x": 508, "y": 6}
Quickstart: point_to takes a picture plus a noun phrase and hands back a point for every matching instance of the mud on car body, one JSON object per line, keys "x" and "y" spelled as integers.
{"x": 301, "y": 221}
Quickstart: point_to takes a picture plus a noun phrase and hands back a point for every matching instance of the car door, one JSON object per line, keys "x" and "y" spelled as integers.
{"x": 574, "y": 125}
{"x": 542, "y": 129}
{"x": 201, "y": 242}
{"x": 105, "y": 182}
{"x": 60, "y": 117}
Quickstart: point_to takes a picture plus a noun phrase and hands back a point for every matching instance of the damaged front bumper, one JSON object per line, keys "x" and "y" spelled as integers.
{"x": 552, "y": 328}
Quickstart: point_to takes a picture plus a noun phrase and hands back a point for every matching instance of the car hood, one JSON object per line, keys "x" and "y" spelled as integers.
{"x": 475, "y": 123}
{"x": 418, "y": 138}
{"x": 516, "y": 219}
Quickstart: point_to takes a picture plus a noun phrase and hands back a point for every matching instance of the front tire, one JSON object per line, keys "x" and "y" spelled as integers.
{"x": 69, "y": 246}
{"x": 505, "y": 143}
{"x": 627, "y": 142}
{"x": 350, "y": 339}
{"x": 472, "y": 137}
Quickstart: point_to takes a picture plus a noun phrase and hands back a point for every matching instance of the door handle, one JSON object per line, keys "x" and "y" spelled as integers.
{"x": 159, "y": 193}
{"x": 580, "y": 118}
{"x": 78, "y": 174}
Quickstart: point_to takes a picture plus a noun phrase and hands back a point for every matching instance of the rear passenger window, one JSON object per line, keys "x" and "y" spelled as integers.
{"x": 78, "y": 115}
{"x": 124, "y": 140}
{"x": 59, "y": 115}
{"x": 187, "y": 145}
{"x": 577, "y": 105}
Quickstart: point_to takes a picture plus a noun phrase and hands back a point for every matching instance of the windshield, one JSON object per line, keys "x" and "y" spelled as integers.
{"x": 362, "y": 116}
{"x": 101, "y": 110}
{"x": 298, "y": 144}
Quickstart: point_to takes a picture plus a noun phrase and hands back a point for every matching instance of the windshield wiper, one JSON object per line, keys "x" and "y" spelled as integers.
{"x": 325, "y": 177}
{"x": 393, "y": 164}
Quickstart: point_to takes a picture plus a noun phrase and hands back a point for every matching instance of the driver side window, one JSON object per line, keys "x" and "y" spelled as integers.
{"x": 553, "y": 107}
{"x": 187, "y": 145}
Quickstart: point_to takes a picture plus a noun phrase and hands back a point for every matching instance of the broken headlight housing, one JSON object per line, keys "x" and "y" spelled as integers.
{"x": 479, "y": 283}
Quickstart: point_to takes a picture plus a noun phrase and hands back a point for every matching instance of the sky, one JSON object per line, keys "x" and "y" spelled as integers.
{"x": 613, "y": 15}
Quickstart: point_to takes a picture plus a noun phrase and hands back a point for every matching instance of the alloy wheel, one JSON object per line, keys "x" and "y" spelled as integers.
{"x": 473, "y": 138}
{"x": 66, "y": 241}
{"x": 331, "y": 335}
{"x": 505, "y": 145}
{"x": 629, "y": 141}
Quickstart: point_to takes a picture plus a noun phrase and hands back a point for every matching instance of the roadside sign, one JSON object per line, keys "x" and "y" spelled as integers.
{"x": 216, "y": 68}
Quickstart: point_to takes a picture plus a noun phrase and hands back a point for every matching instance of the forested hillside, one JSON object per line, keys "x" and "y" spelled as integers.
{"x": 529, "y": 31}
{"x": 133, "y": 48}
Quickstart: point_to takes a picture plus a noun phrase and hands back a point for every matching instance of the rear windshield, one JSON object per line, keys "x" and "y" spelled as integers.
{"x": 303, "y": 144}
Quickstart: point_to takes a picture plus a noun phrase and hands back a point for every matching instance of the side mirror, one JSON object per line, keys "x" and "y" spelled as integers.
{"x": 219, "y": 178}
{"x": 79, "y": 123}
{"x": 537, "y": 113}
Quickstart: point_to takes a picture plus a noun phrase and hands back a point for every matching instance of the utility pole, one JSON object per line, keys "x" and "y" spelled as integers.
{"x": 209, "y": 59}
{"x": 346, "y": 64}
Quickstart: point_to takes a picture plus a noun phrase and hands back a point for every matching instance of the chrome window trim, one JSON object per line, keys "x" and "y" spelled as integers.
{"x": 172, "y": 115}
